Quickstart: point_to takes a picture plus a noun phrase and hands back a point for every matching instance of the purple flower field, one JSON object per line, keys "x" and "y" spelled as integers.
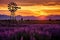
{"x": 31, "y": 32}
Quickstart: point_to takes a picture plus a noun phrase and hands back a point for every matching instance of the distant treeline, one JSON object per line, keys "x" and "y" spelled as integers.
{"x": 29, "y": 21}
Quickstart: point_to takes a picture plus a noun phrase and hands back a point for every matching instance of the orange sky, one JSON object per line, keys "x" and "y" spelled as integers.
{"x": 35, "y": 10}
{"x": 32, "y": 7}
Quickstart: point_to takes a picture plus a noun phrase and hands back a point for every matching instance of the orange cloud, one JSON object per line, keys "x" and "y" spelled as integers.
{"x": 53, "y": 12}
{"x": 49, "y": 3}
{"x": 4, "y": 12}
{"x": 24, "y": 13}
{"x": 33, "y": 10}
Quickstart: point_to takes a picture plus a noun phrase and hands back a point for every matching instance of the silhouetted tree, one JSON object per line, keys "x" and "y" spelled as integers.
{"x": 21, "y": 20}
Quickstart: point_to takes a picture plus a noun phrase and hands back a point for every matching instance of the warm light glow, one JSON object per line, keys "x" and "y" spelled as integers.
{"x": 42, "y": 17}
{"x": 33, "y": 10}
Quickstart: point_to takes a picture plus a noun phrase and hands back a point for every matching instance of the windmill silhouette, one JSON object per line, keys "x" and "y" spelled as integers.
{"x": 13, "y": 8}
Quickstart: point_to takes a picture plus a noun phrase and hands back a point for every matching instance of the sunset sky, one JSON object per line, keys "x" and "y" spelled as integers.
{"x": 32, "y": 7}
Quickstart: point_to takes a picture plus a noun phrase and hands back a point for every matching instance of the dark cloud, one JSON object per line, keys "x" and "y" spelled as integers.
{"x": 38, "y": 1}
{"x": 29, "y": 1}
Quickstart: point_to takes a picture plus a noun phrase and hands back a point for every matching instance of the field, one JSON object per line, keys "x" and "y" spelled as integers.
{"x": 22, "y": 31}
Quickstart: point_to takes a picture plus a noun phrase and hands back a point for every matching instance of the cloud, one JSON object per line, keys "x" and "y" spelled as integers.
{"x": 30, "y": 2}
